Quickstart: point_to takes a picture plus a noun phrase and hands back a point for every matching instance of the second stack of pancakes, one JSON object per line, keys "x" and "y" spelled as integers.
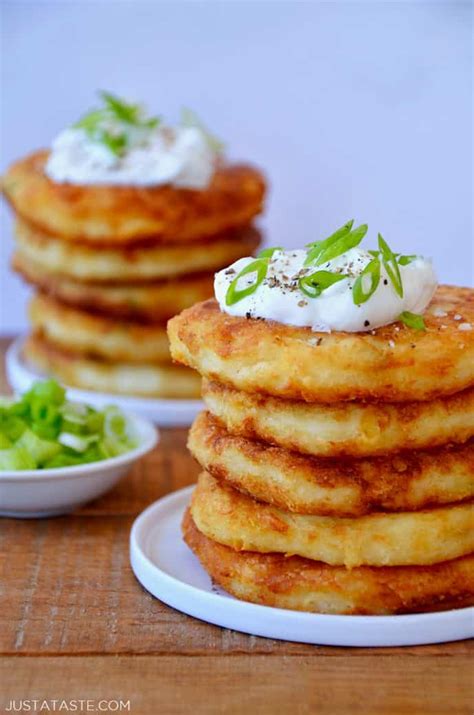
{"x": 338, "y": 469}
{"x": 111, "y": 264}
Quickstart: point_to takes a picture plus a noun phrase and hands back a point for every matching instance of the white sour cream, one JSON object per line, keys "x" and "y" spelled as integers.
{"x": 279, "y": 298}
{"x": 180, "y": 156}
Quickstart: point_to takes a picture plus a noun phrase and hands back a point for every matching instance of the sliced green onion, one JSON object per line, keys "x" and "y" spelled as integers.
{"x": 372, "y": 272}
{"x": 116, "y": 143}
{"x": 90, "y": 121}
{"x": 313, "y": 244}
{"x": 268, "y": 252}
{"x": 123, "y": 110}
{"x": 96, "y": 123}
{"x": 314, "y": 284}
{"x": 405, "y": 260}
{"x": 334, "y": 247}
{"x": 76, "y": 442}
{"x": 318, "y": 246}
{"x": 391, "y": 266}
{"x": 43, "y": 430}
{"x": 234, "y": 294}
{"x": 412, "y": 320}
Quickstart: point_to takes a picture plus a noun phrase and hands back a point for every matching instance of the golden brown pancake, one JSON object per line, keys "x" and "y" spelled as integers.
{"x": 304, "y": 585}
{"x": 404, "y": 539}
{"x": 97, "y": 336}
{"x": 333, "y": 487}
{"x": 129, "y": 264}
{"x": 155, "y": 302}
{"x": 141, "y": 380}
{"x": 394, "y": 364}
{"x": 125, "y": 214}
{"x": 352, "y": 429}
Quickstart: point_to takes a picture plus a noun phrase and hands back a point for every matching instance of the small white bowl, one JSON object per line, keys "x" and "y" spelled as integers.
{"x": 37, "y": 493}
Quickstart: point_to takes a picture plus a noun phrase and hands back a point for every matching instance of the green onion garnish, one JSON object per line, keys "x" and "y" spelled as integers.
{"x": 412, "y": 320}
{"x": 99, "y": 123}
{"x": 370, "y": 273}
{"x": 391, "y": 266}
{"x": 405, "y": 260}
{"x": 336, "y": 245}
{"x": 318, "y": 246}
{"x": 314, "y": 284}
{"x": 334, "y": 236}
{"x": 43, "y": 430}
{"x": 268, "y": 252}
{"x": 260, "y": 267}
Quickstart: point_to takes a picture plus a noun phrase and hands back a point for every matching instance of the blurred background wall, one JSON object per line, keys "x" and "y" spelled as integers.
{"x": 354, "y": 109}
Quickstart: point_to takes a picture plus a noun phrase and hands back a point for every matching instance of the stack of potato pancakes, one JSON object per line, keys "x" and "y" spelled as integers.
{"x": 111, "y": 264}
{"x": 339, "y": 468}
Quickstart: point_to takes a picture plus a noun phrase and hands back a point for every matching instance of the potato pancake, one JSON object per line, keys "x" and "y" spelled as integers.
{"x": 333, "y": 487}
{"x": 126, "y": 214}
{"x": 141, "y": 380}
{"x": 155, "y": 302}
{"x": 392, "y": 364}
{"x": 97, "y": 336}
{"x": 128, "y": 264}
{"x": 304, "y": 585}
{"x": 404, "y": 539}
{"x": 353, "y": 429}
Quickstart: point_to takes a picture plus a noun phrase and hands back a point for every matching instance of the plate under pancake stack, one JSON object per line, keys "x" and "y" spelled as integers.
{"x": 331, "y": 496}
{"x": 112, "y": 264}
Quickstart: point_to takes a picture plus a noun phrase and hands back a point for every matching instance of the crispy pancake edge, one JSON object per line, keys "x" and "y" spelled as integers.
{"x": 126, "y": 214}
{"x": 299, "y": 584}
{"x": 351, "y": 429}
{"x": 154, "y": 302}
{"x": 403, "y": 539}
{"x": 394, "y": 364}
{"x": 333, "y": 487}
{"x": 97, "y": 336}
{"x": 129, "y": 264}
{"x": 145, "y": 380}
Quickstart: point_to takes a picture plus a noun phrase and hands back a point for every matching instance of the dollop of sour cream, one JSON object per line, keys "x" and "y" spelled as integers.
{"x": 180, "y": 156}
{"x": 279, "y": 298}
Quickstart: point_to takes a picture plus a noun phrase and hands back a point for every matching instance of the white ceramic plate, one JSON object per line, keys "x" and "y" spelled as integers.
{"x": 165, "y": 413}
{"x": 37, "y": 493}
{"x": 168, "y": 569}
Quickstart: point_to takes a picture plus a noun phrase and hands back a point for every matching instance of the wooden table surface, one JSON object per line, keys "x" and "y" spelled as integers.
{"x": 76, "y": 625}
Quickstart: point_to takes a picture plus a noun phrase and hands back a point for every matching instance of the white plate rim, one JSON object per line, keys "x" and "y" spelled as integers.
{"x": 163, "y": 412}
{"x": 361, "y": 631}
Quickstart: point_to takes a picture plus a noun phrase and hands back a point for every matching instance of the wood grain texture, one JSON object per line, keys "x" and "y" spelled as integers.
{"x": 248, "y": 684}
{"x": 75, "y": 623}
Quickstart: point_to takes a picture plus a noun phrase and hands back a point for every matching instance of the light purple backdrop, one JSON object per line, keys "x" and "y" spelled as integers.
{"x": 354, "y": 109}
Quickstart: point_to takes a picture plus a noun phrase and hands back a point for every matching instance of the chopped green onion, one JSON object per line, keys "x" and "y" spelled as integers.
{"x": 336, "y": 245}
{"x": 370, "y": 273}
{"x": 318, "y": 246}
{"x": 391, "y": 266}
{"x": 43, "y": 430}
{"x": 129, "y": 113}
{"x": 313, "y": 244}
{"x": 268, "y": 252}
{"x": 314, "y": 284}
{"x": 412, "y": 320}
{"x": 116, "y": 143}
{"x": 234, "y": 294}
{"x": 405, "y": 260}
{"x": 97, "y": 123}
